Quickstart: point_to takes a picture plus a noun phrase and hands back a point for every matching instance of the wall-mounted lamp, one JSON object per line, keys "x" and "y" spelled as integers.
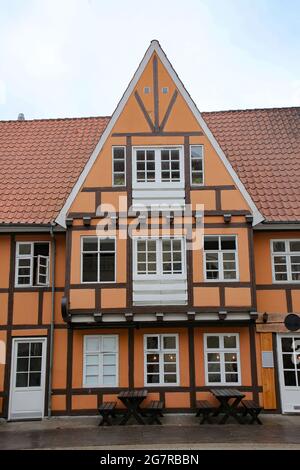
{"x": 249, "y": 218}
{"x": 86, "y": 220}
{"x": 227, "y": 218}
{"x": 265, "y": 317}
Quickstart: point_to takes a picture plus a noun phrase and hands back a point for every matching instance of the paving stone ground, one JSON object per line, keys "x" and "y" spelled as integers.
{"x": 177, "y": 432}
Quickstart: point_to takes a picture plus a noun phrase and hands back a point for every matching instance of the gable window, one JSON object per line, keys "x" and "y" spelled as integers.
{"x": 286, "y": 260}
{"x": 159, "y": 257}
{"x": 100, "y": 361}
{"x": 98, "y": 259}
{"x": 196, "y": 162}
{"x": 220, "y": 258}
{"x": 222, "y": 359}
{"x": 119, "y": 165}
{"x": 32, "y": 264}
{"x": 161, "y": 359}
{"x": 158, "y": 166}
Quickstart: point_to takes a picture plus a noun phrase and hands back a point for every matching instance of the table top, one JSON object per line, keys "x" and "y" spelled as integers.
{"x": 227, "y": 392}
{"x": 133, "y": 394}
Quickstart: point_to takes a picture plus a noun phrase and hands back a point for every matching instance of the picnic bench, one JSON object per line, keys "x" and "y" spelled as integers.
{"x": 132, "y": 400}
{"x": 253, "y": 409}
{"x": 155, "y": 410}
{"x": 229, "y": 399}
{"x": 206, "y": 409}
{"x": 107, "y": 411}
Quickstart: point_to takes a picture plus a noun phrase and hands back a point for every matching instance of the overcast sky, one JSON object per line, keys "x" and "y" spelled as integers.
{"x": 68, "y": 58}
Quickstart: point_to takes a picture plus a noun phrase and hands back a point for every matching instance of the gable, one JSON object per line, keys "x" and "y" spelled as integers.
{"x": 157, "y": 118}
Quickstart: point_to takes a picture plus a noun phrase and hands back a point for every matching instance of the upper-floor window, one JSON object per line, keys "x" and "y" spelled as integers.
{"x": 98, "y": 257}
{"x": 32, "y": 264}
{"x": 220, "y": 258}
{"x": 161, "y": 359}
{"x": 119, "y": 166}
{"x": 100, "y": 361}
{"x": 158, "y": 166}
{"x": 286, "y": 260}
{"x": 159, "y": 257}
{"x": 196, "y": 162}
{"x": 222, "y": 359}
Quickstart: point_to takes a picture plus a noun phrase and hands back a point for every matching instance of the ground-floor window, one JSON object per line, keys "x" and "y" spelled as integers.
{"x": 100, "y": 361}
{"x": 222, "y": 359}
{"x": 161, "y": 359}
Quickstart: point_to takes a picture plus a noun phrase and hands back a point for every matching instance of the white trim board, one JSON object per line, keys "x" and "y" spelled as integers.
{"x": 155, "y": 47}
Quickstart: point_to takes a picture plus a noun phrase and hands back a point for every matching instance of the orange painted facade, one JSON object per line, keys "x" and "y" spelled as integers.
{"x": 28, "y": 312}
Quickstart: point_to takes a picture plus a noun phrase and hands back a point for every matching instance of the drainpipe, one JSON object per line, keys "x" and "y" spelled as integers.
{"x": 53, "y": 256}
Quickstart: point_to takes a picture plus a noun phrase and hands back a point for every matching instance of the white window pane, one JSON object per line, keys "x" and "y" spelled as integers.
{"x": 109, "y": 370}
{"x": 92, "y": 344}
{"x": 213, "y": 342}
{"x": 229, "y": 341}
{"x": 278, "y": 246}
{"x": 152, "y": 342}
{"x": 92, "y": 370}
{"x": 295, "y": 245}
{"x": 109, "y": 343}
{"x": 91, "y": 381}
{"x": 170, "y": 378}
{"x": 25, "y": 248}
{"x": 92, "y": 359}
{"x": 109, "y": 380}
{"x": 109, "y": 359}
{"x": 169, "y": 342}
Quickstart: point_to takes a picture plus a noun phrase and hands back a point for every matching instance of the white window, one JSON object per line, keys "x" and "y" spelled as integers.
{"x": 161, "y": 359}
{"x": 119, "y": 165}
{"x": 158, "y": 166}
{"x": 159, "y": 257}
{"x": 220, "y": 258}
{"x": 32, "y": 264}
{"x": 196, "y": 162}
{"x": 286, "y": 260}
{"x": 100, "y": 361}
{"x": 222, "y": 359}
{"x": 98, "y": 259}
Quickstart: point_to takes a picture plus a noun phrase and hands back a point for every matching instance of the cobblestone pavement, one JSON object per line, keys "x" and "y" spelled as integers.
{"x": 177, "y": 432}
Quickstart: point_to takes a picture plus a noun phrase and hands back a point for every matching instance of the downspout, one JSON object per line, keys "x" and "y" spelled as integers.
{"x": 51, "y": 339}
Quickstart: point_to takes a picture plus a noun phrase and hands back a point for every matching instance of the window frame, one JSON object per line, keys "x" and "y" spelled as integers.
{"x": 191, "y": 171}
{"x": 161, "y": 352}
{"x": 159, "y": 257}
{"x": 113, "y": 237}
{"x": 158, "y": 183}
{"x": 31, "y": 256}
{"x": 100, "y": 366}
{"x": 288, "y": 255}
{"x": 236, "y": 251}
{"x": 222, "y": 350}
{"x": 113, "y": 172}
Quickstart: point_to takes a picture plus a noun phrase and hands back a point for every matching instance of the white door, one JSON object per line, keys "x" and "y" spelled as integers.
{"x": 27, "y": 390}
{"x": 289, "y": 371}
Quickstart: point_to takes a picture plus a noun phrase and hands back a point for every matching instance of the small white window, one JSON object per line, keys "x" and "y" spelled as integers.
{"x": 158, "y": 167}
{"x": 100, "y": 361}
{"x": 161, "y": 359}
{"x": 119, "y": 165}
{"x": 159, "y": 257}
{"x": 222, "y": 359}
{"x": 196, "y": 162}
{"x": 286, "y": 260}
{"x": 32, "y": 264}
{"x": 165, "y": 90}
{"x": 98, "y": 256}
{"x": 220, "y": 258}
{"x": 147, "y": 90}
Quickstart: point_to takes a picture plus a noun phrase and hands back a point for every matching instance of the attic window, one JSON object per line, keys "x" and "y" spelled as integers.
{"x": 165, "y": 90}
{"x": 32, "y": 264}
{"x": 147, "y": 90}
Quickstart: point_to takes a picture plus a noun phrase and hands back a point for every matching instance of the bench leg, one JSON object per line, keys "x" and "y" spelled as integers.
{"x": 205, "y": 417}
{"x": 154, "y": 419}
{"x": 105, "y": 419}
{"x": 255, "y": 418}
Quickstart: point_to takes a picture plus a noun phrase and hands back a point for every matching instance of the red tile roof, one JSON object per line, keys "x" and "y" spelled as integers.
{"x": 263, "y": 146}
{"x": 41, "y": 160}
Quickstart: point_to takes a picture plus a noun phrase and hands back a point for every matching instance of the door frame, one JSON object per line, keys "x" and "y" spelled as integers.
{"x": 280, "y": 369}
{"x": 25, "y": 339}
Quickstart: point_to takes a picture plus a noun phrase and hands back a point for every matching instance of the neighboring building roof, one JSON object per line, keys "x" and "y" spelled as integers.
{"x": 263, "y": 146}
{"x": 41, "y": 160}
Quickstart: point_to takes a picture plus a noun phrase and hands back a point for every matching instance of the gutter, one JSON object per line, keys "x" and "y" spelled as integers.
{"x": 284, "y": 225}
{"x": 51, "y": 334}
{"x": 30, "y": 228}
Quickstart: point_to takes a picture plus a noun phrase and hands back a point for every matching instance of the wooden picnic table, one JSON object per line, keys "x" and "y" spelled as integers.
{"x": 227, "y": 406}
{"x": 132, "y": 400}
